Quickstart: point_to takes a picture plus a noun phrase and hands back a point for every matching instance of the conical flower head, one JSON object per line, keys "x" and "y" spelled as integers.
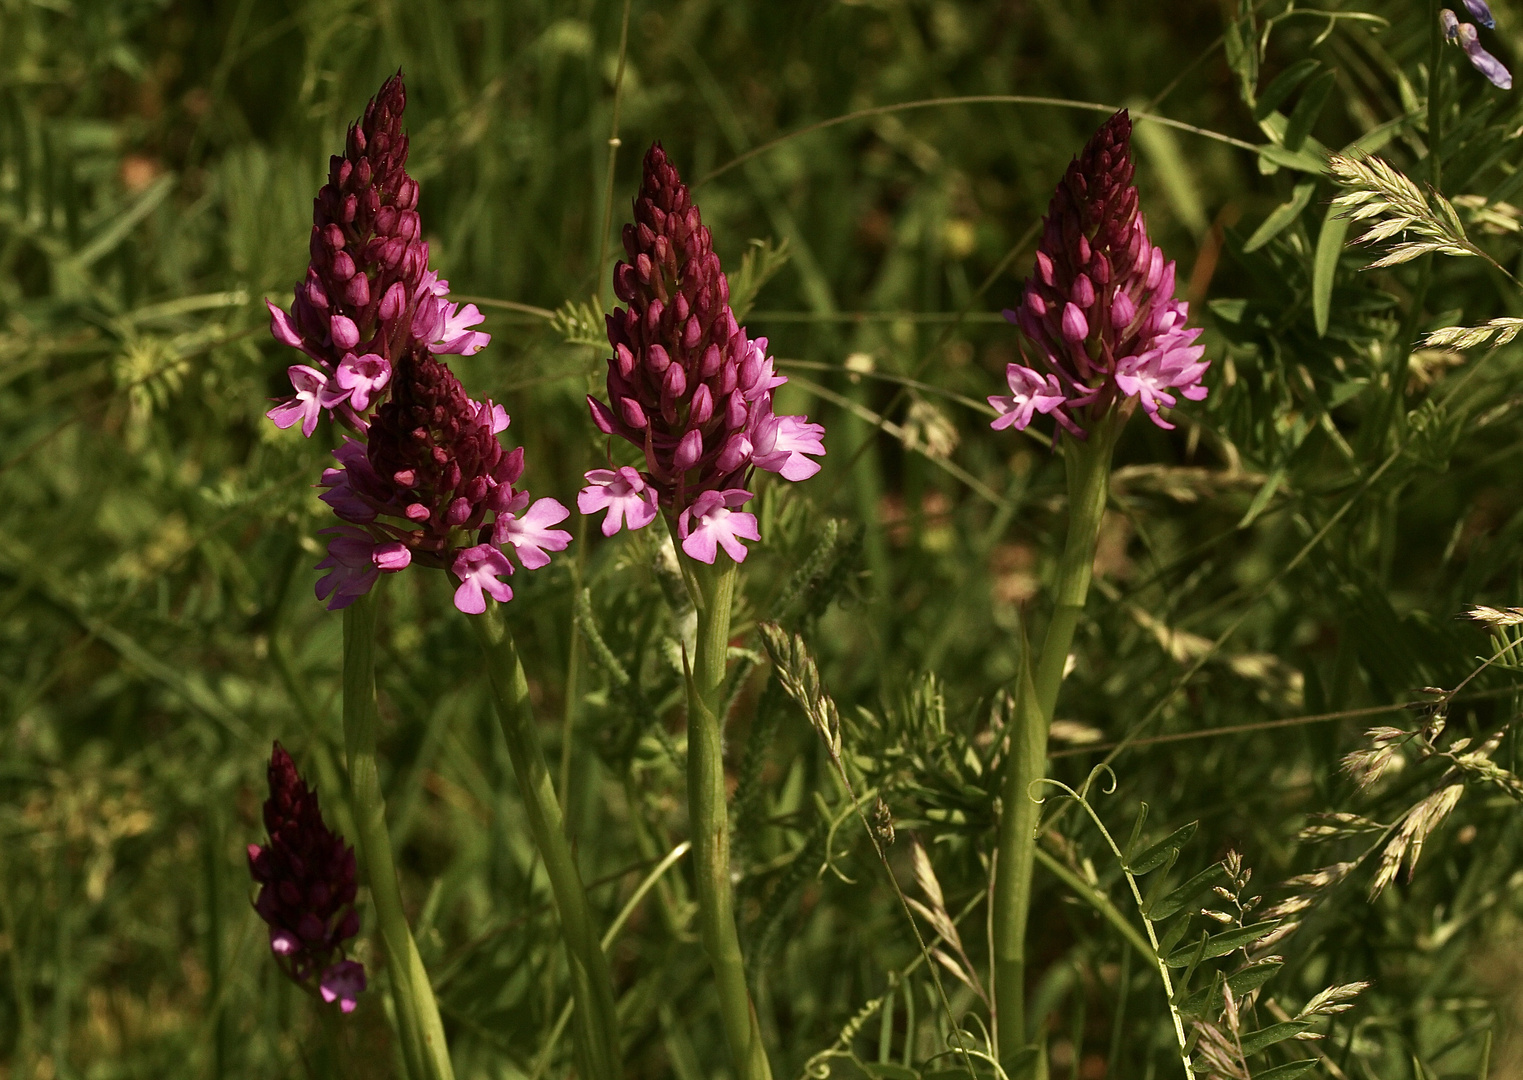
{"x": 1099, "y": 307}
{"x": 685, "y": 383}
{"x": 368, "y": 296}
{"x": 306, "y": 875}
{"x": 367, "y": 258}
{"x": 674, "y": 381}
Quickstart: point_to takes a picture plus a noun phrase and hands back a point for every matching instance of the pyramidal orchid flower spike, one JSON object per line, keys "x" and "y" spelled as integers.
{"x": 687, "y": 386}
{"x": 368, "y": 297}
{"x": 1099, "y": 309}
{"x": 306, "y": 878}
{"x": 424, "y": 478}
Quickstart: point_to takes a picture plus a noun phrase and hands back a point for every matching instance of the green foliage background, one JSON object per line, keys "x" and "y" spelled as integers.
{"x": 1301, "y": 545}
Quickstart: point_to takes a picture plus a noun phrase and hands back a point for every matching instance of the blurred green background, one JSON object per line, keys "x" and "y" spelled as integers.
{"x": 157, "y": 162}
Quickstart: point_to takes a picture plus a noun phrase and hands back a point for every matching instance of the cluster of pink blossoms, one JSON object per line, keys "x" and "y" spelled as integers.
{"x": 1100, "y": 309}
{"x": 424, "y": 477}
{"x": 687, "y": 386}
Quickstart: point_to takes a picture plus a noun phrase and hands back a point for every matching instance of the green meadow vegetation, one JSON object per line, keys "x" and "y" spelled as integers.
{"x": 1280, "y": 830}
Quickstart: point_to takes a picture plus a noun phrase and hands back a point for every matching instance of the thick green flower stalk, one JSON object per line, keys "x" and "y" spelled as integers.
{"x": 418, "y": 1023}
{"x": 1100, "y": 314}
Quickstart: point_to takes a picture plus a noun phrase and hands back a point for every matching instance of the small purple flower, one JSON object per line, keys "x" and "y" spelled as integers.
{"x": 344, "y": 982}
{"x": 711, "y": 523}
{"x": 1030, "y": 393}
{"x": 1099, "y": 307}
{"x": 530, "y": 535}
{"x": 362, "y": 377}
{"x": 307, "y": 888}
{"x": 1482, "y": 60}
{"x": 623, "y": 493}
{"x": 779, "y": 443}
{"x": 686, "y": 385}
{"x": 354, "y": 562}
{"x": 1481, "y": 13}
{"x": 312, "y": 394}
{"x": 1149, "y": 377}
{"x": 478, "y": 569}
{"x": 443, "y": 326}
{"x": 1450, "y": 24}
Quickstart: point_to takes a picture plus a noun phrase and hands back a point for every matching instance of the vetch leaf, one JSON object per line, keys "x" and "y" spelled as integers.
{"x": 1300, "y": 160}
{"x": 1282, "y": 216}
{"x": 1156, "y": 855}
{"x": 1209, "y": 1000}
{"x": 1255, "y": 1041}
{"x": 1307, "y": 109}
{"x": 1283, "y": 85}
{"x": 1223, "y": 943}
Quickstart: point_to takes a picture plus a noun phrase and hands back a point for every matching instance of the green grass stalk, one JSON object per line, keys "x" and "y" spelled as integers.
{"x": 713, "y": 589}
{"x": 418, "y": 1023}
{"x": 1088, "y": 469}
{"x": 595, "y": 1032}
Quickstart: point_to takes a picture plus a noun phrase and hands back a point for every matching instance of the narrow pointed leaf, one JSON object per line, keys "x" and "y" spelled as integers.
{"x": 1155, "y": 856}
{"x": 1223, "y": 943}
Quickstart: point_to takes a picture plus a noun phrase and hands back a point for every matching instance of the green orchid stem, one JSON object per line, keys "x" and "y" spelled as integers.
{"x": 418, "y": 1023}
{"x": 595, "y": 1030}
{"x": 1088, "y": 468}
{"x": 713, "y": 589}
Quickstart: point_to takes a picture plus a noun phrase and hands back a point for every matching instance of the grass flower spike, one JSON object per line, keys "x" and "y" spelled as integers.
{"x": 686, "y": 385}
{"x": 306, "y": 877}
{"x": 1099, "y": 309}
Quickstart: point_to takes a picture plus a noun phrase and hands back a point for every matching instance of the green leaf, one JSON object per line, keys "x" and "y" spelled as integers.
{"x": 1324, "y": 267}
{"x": 1255, "y": 1041}
{"x": 1241, "y": 41}
{"x": 1223, "y": 943}
{"x": 1301, "y": 160}
{"x": 1288, "y": 1071}
{"x": 1154, "y": 857}
{"x": 1282, "y": 216}
{"x": 1261, "y": 498}
{"x": 1173, "y": 936}
{"x": 889, "y": 1071}
{"x": 1283, "y": 86}
{"x": 1307, "y": 109}
{"x": 1208, "y": 1000}
{"x": 1177, "y": 900}
{"x": 1228, "y": 309}
{"x": 1142, "y": 817}
{"x": 1308, "y": 156}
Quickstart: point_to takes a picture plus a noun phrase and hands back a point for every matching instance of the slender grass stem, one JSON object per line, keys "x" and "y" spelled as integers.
{"x": 713, "y": 589}
{"x": 974, "y": 99}
{"x": 418, "y": 1024}
{"x": 596, "y": 1028}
